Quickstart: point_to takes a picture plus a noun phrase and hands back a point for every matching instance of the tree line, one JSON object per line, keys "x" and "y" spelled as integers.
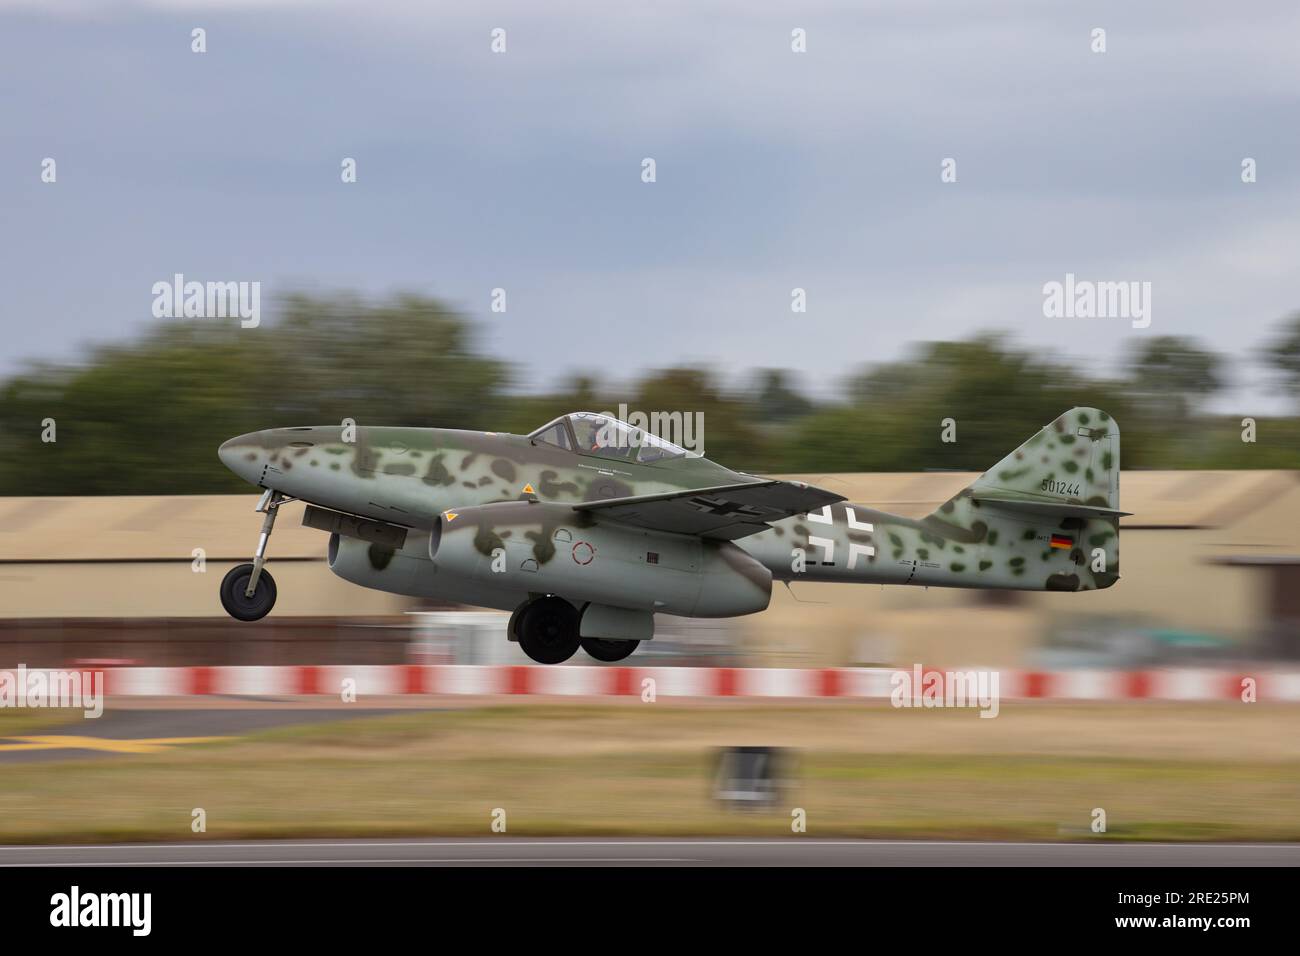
{"x": 146, "y": 417}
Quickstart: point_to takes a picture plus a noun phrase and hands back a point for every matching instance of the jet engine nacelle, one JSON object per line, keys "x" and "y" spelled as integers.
{"x": 543, "y": 548}
{"x": 407, "y": 570}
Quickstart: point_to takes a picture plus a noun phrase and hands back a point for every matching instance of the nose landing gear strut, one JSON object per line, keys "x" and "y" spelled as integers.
{"x": 248, "y": 590}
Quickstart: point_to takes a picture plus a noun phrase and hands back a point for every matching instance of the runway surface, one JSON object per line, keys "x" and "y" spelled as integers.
{"x": 512, "y": 851}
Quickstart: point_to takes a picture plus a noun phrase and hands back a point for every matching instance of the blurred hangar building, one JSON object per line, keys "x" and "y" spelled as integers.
{"x": 1210, "y": 564}
{"x": 135, "y": 578}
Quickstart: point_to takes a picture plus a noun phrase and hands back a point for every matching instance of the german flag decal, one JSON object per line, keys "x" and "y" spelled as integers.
{"x": 1061, "y": 541}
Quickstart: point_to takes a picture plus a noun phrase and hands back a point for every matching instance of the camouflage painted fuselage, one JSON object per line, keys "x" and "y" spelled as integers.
{"x": 410, "y": 476}
{"x": 990, "y": 535}
{"x": 1043, "y": 519}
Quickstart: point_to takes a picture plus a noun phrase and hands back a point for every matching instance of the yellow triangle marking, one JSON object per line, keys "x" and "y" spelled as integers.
{"x": 528, "y": 490}
{"x": 451, "y": 516}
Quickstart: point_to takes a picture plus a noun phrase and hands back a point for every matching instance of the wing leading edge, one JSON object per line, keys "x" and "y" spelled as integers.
{"x": 724, "y": 512}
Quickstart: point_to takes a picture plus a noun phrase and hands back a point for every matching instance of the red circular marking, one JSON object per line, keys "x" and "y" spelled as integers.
{"x": 588, "y": 553}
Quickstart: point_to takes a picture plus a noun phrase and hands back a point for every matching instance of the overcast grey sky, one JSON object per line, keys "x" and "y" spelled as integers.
{"x": 775, "y": 170}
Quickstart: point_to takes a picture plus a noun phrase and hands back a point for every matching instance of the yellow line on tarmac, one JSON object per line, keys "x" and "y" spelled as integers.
{"x": 150, "y": 745}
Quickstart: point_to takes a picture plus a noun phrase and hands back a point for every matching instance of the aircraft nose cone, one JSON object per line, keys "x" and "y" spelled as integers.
{"x": 227, "y": 453}
{"x": 242, "y": 455}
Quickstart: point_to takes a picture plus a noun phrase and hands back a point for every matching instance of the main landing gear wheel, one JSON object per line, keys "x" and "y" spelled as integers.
{"x": 608, "y": 651}
{"x": 548, "y": 630}
{"x": 237, "y": 602}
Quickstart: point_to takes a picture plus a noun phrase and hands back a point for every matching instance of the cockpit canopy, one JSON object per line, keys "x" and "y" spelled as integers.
{"x": 590, "y": 433}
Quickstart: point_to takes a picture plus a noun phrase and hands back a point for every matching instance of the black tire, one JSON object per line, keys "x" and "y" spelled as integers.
{"x": 243, "y": 608}
{"x": 608, "y": 651}
{"x": 548, "y": 630}
{"x": 512, "y": 628}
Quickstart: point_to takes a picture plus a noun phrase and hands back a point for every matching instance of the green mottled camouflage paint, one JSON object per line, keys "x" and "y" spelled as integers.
{"x": 411, "y": 476}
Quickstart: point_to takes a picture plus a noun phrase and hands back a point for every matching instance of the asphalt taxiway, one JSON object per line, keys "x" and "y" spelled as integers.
{"x": 513, "y": 851}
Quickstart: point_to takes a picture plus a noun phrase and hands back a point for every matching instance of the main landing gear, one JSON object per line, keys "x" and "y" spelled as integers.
{"x": 547, "y": 629}
{"x": 247, "y": 590}
{"x": 606, "y": 650}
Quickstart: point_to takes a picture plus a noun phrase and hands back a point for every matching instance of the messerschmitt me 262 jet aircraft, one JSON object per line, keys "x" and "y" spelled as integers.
{"x": 588, "y": 526}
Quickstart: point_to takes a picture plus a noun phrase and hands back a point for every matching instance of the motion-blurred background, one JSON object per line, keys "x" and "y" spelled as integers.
{"x": 917, "y": 171}
{"x": 912, "y": 173}
{"x": 99, "y": 533}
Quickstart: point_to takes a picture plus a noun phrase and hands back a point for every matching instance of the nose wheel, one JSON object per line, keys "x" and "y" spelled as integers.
{"x": 235, "y": 598}
{"x": 248, "y": 590}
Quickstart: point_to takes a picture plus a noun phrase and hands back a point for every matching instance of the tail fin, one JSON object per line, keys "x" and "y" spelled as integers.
{"x": 1069, "y": 466}
{"x": 1046, "y": 517}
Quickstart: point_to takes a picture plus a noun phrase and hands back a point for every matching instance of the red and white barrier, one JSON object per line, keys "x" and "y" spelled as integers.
{"x": 708, "y": 682}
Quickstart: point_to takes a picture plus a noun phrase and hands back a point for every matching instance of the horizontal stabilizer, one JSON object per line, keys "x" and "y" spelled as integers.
{"x": 1062, "y": 509}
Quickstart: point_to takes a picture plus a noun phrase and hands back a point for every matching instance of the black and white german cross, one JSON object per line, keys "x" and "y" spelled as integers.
{"x": 716, "y": 506}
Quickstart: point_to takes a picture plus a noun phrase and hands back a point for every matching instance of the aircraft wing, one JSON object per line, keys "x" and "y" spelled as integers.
{"x": 724, "y": 512}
